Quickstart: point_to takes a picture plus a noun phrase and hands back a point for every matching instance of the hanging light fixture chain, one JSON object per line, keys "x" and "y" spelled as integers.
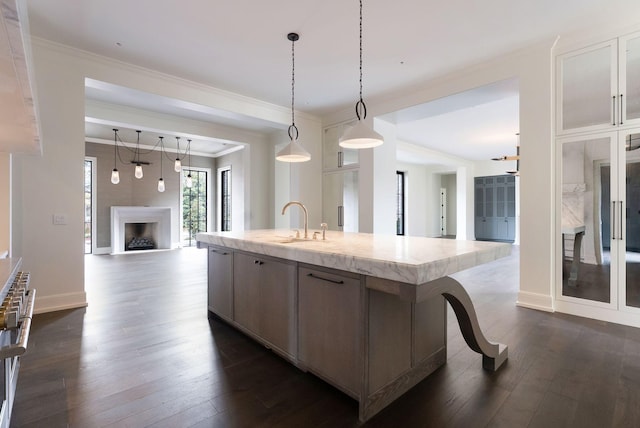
{"x": 293, "y": 79}
{"x": 293, "y": 129}
{"x": 360, "y": 50}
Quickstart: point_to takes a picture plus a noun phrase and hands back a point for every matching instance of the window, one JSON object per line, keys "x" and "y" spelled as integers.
{"x": 194, "y": 205}
{"x": 400, "y": 218}
{"x": 89, "y": 203}
{"x": 224, "y": 178}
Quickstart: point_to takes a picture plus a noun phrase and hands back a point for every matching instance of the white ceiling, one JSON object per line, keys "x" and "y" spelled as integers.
{"x": 241, "y": 46}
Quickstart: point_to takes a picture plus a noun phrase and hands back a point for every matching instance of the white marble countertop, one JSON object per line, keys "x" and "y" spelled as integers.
{"x": 411, "y": 260}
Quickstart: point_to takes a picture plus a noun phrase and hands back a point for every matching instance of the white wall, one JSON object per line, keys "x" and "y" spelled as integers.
{"x": 416, "y": 202}
{"x": 5, "y": 206}
{"x": 377, "y": 178}
{"x": 237, "y": 161}
{"x": 53, "y": 184}
{"x": 449, "y": 183}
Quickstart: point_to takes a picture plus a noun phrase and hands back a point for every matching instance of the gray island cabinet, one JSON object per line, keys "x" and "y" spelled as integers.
{"x": 366, "y": 313}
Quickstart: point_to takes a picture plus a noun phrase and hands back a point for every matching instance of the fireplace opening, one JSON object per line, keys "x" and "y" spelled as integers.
{"x": 140, "y": 236}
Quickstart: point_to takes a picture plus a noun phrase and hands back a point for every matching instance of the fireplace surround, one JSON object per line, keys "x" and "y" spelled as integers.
{"x": 158, "y": 219}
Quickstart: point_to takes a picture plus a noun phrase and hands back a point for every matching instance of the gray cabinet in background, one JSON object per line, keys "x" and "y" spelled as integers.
{"x": 495, "y": 208}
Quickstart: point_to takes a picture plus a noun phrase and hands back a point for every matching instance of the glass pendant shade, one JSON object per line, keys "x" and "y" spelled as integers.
{"x": 138, "y": 172}
{"x": 293, "y": 152}
{"x": 189, "y": 181}
{"x": 160, "y": 185}
{"x": 360, "y": 136}
{"x": 177, "y": 166}
{"x": 115, "y": 176}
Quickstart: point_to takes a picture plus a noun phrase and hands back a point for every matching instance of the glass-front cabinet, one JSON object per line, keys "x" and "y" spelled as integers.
{"x": 600, "y": 219}
{"x": 599, "y": 86}
{"x": 340, "y": 200}
{"x": 339, "y": 182}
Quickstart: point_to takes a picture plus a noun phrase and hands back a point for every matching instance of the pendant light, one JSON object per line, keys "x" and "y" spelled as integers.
{"x": 189, "y": 181}
{"x": 360, "y": 136}
{"x": 161, "y": 180}
{"x": 177, "y": 165}
{"x": 138, "y": 171}
{"x": 293, "y": 152}
{"x": 115, "y": 175}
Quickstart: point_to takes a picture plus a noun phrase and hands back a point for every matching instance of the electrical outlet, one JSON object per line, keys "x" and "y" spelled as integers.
{"x": 59, "y": 219}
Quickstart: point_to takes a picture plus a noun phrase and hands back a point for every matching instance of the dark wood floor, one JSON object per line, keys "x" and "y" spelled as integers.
{"x": 144, "y": 354}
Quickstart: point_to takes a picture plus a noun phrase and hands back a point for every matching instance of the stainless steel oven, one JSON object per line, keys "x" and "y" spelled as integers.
{"x": 16, "y": 312}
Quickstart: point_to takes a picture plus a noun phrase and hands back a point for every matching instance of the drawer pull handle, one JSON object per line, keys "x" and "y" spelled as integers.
{"x": 325, "y": 279}
{"x": 224, "y": 253}
{"x": 258, "y": 262}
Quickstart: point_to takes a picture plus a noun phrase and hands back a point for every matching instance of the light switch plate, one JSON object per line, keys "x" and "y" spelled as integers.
{"x": 59, "y": 219}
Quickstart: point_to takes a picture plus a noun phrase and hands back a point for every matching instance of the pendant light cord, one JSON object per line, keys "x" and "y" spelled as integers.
{"x": 161, "y": 153}
{"x": 115, "y": 150}
{"x": 293, "y": 80}
{"x": 361, "y": 108}
{"x": 293, "y": 129}
{"x": 361, "y": 51}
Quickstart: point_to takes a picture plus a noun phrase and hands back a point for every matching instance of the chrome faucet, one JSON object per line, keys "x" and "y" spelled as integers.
{"x": 306, "y": 215}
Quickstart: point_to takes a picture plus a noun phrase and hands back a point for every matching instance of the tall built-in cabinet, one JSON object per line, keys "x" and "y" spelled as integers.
{"x": 495, "y": 208}
{"x": 598, "y": 153}
{"x": 339, "y": 182}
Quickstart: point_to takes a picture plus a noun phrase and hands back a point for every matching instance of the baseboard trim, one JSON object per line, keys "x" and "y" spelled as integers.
{"x": 60, "y": 302}
{"x": 102, "y": 250}
{"x": 539, "y": 302}
{"x": 630, "y": 317}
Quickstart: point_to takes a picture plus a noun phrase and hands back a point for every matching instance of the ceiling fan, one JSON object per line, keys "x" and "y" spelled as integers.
{"x": 515, "y": 157}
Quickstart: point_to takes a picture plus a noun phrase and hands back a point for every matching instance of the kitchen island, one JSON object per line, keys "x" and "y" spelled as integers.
{"x": 367, "y": 313}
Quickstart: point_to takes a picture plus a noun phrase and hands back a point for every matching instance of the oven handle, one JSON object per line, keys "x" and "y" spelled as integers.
{"x": 20, "y": 348}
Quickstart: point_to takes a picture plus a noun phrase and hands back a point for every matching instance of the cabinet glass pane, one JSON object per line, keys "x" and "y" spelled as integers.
{"x": 333, "y": 155}
{"x": 511, "y": 200}
{"x": 479, "y": 199}
{"x": 488, "y": 201}
{"x": 340, "y": 200}
{"x": 633, "y": 78}
{"x": 350, "y": 201}
{"x": 632, "y": 214}
{"x": 585, "y": 218}
{"x": 500, "y": 200}
{"x": 586, "y": 89}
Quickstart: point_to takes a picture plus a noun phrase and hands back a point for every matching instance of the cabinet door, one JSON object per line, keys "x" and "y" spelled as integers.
{"x": 220, "y": 282}
{"x": 340, "y": 200}
{"x": 277, "y": 283}
{"x": 246, "y": 291}
{"x": 629, "y": 58}
{"x": 333, "y": 155}
{"x": 587, "y": 88}
{"x": 479, "y": 207}
{"x": 328, "y": 338}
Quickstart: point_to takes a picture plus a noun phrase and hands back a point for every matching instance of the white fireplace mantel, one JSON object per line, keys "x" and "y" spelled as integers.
{"x": 122, "y": 215}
